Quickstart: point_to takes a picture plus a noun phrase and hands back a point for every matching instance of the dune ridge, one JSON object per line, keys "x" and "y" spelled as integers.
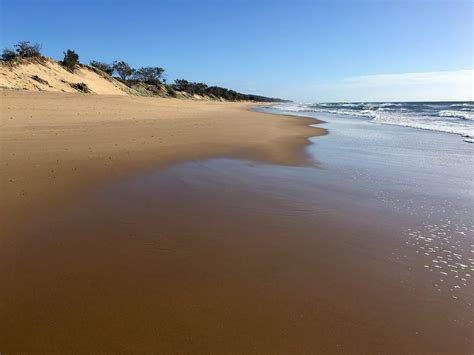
{"x": 45, "y": 74}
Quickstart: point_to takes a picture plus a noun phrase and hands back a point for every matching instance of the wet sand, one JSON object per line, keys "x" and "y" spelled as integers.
{"x": 226, "y": 255}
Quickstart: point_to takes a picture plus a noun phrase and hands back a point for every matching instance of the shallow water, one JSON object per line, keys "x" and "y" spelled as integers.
{"x": 423, "y": 175}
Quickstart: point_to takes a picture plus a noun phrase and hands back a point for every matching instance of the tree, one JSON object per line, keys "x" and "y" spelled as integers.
{"x": 105, "y": 67}
{"x": 8, "y": 55}
{"x": 181, "y": 85}
{"x": 123, "y": 69}
{"x": 71, "y": 59}
{"x": 199, "y": 88}
{"x": 151, "y": 75}
{"x": 27, "y": 50}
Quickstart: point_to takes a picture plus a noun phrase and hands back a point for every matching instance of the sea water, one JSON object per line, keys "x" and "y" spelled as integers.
{"x": 451, "y": 117}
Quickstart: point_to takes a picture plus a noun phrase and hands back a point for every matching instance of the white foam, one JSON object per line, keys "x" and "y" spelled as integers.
{"x": 465, "y": 115}
{"x": 459, "y": 121}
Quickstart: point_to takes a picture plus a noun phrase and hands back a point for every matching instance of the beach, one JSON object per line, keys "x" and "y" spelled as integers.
{"x": 53, "y": 144}
{"x": 144, "y": 224}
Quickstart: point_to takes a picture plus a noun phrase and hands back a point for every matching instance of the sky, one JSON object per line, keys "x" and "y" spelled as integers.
{"x": 307, "y": 51}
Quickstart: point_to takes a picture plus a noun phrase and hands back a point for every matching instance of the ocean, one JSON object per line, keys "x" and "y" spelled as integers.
{"x": 450, "y": 117}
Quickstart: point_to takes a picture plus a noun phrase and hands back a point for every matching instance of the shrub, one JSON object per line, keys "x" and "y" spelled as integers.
{"x": 71, "y": 59}
{"x": 105, "y": 67}
{"x": 123, "y": 70}
{"x": 82, "y": 87}
{"x": 27, "y": 50}
{"x": 191, "y": 87}
{"x": 8, "y": 55}
{"x": 199, "y": 88}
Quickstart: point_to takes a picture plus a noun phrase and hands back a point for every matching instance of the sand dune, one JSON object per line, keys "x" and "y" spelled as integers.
{"x": 44, "y": 74}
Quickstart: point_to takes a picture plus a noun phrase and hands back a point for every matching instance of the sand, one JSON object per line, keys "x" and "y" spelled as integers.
{"x": 55, "y": 145}
{"x": 120, "y": 232}
{"x": 58, "y": 147}
{"x": 45, "y": 74}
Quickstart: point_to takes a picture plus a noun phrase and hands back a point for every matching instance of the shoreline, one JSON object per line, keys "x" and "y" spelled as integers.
{"x": 55, "y": 145}
{"x": 412, "y": 117}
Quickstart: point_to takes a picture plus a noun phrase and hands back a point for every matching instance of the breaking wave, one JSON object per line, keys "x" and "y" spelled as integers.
{"x": 450, "y": 117}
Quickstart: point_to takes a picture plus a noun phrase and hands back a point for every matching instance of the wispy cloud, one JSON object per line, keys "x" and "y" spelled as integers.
{"x": 427, "y": 78}
{"x": 441, "y": 85}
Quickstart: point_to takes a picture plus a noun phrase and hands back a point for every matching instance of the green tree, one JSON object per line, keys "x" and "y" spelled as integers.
{"x": 151, "y": 75}
{"x": 123, "y": 70}
{"x": 199, "y": 88}
{"x": 181, "y": 85}
{"x": 105, "y": 67}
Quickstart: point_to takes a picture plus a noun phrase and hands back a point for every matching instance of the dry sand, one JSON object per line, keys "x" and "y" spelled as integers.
{"x": 45, "y": 74}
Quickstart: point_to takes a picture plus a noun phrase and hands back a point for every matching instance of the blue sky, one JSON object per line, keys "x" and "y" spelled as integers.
{"x": 302, "y": 50}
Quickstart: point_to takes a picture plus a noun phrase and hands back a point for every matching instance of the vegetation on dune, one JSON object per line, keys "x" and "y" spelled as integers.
{"x": 8, "y": 55}
{"x": 105, "y": 67}
{"x": 71, "y": 59}
{"x": 81, "y": 87}
{"x": 148, "y": 81}
{"x": 27, "y": 50}
{"x": 23, "y": 49}
{"x": 216, "y": 91}
{"x": 123, "y": 70}
{"x": 149, "y": 75}
{"x": 39, "y": 80}
{"x": 171, "y": 91}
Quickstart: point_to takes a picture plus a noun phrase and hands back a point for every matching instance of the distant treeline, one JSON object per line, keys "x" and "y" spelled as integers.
{"x": 217, "y": 91}
{"x": 151, "y": 76}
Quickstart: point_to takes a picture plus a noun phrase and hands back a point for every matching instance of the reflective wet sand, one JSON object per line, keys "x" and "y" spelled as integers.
{"x": 224, "y": 255}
